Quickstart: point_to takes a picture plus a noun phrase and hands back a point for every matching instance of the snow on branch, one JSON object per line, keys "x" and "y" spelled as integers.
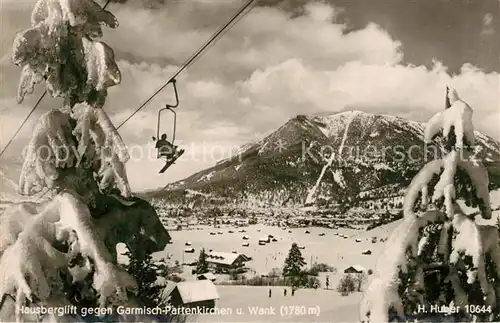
{"x": 449, "y": 241}
{"x": 476, "y": 242}
{"x": 419, "y": 187}
{"x": 446, "y": 170}
{"x": 382, "y": 293}
{"x": 94, "y": 123}
{"x": 444, "y": 187}
{"x": 98, "y": 137}
{"x": 51, "y": 147}
{"x": 479, "y": 177}
{"x": 30, "y": 263}
{"x": 59, "y": 48}
{"x": 108, "y": 278}
{"x": 102, "y": 70}
{"x": 470, "y": 240}
{"x": 36, "y": 50}
{"x": 86, "y": 14}
{"x": 458, "y": 117}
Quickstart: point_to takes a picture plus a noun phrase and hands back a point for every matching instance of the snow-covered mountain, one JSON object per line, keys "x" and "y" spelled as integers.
{"x": 321, "y": 160}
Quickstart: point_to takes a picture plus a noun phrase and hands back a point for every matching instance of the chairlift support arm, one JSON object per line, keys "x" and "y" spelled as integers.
{"x": 171, "y": 108}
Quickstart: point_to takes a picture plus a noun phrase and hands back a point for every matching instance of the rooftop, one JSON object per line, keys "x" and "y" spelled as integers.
{"x": 208, "y": 276}
{"x": 224, "y": 258}
{"x": 358, "y": 268}
{"x": 197, "y": 291}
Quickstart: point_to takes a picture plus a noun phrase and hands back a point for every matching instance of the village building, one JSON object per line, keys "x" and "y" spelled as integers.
{"x": 200, "y": 294}
{"x": 222, "y": 262}
{"x": 206, "y": 276}
{"x": 356, "y": 269}
{"x": 265, "y": 239}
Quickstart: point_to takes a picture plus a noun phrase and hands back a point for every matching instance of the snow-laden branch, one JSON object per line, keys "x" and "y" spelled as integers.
{"x": 479, "y": 177}
{"x": 460, "y": 244}
{"x": 86, "y": 14}
{"x": 51, "y": 147}
{"x": 29, "y": 262}
{"x": 102, "y": 70}
{"x": 66, "y": 56}
{"x": 458, "y": 116}
{"x": 41, "y": 57}
{"x": 36, "y": 50}
{"x": 30, "y": 259}
{"x": 446, "y": 169}
{"x": 108, "y": 278}
{"x": 419, "y": 187}
{"x": 382, "y": 293}
{"x": 94, "y": 123}
{"x": 98, "y": 137}
{"x": 471, "y": 240}
{"x": 475, "y": 241}
{"x": 77, "y": 151}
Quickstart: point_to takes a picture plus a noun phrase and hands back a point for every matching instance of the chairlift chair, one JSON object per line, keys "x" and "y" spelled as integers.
{"x": 169, "y": 160}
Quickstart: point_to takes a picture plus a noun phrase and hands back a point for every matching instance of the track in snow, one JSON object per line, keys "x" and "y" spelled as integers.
{"x": 310, "y": 197}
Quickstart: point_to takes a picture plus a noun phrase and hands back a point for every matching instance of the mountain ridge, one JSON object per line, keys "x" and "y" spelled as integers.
{"x": 282, "y": 168}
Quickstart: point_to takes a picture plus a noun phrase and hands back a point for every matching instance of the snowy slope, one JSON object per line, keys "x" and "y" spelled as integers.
{"x": 311, "y": 196}
{"x": 8, "y": 188}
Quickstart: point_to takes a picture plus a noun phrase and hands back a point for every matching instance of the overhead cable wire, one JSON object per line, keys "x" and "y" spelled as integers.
{"x": 192, "y": 59}
{"x": 33, "y": 109}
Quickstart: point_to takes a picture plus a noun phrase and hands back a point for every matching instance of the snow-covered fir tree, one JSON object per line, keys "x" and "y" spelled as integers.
{"x": 441, "y": 264}
{"x": 294, "y": 262}
{"x": 202, "y": 264}
{"x": 63, "y": 251}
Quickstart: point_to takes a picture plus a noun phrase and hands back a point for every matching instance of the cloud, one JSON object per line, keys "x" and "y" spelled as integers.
{"x": 264, "y": 37}
{"x": 266, "y": 69}
{"x": 14, "y": 17}
{"x": 414, "y": 92}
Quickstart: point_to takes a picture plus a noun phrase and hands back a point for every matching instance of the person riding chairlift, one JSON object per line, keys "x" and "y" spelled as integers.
{"x": 165, "y": 147}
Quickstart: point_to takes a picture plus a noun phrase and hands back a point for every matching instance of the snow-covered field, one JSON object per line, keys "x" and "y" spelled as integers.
{"x": 316, "y": 305}
{"x": 319, "y": 305}
{"x": 330, "y": 248}
{"x": 305, "y": 306}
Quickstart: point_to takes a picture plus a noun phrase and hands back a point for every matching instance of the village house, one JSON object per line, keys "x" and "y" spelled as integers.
{"x": 200, "y": 294}
{"x": 264, "y": 239}
{"x": 356, "y": 269}
{"x": 222, "y": 262}
{"x": 206, "y": 276}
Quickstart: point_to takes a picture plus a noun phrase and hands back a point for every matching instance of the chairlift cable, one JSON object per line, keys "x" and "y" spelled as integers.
{"x": 33, "y": 109}
{"x": 191, "y": 60}
{"x": 24, "y": 122}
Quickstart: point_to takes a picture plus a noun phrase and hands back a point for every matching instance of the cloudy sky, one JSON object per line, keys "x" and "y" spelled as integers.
{"x": 282, "y": 59}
